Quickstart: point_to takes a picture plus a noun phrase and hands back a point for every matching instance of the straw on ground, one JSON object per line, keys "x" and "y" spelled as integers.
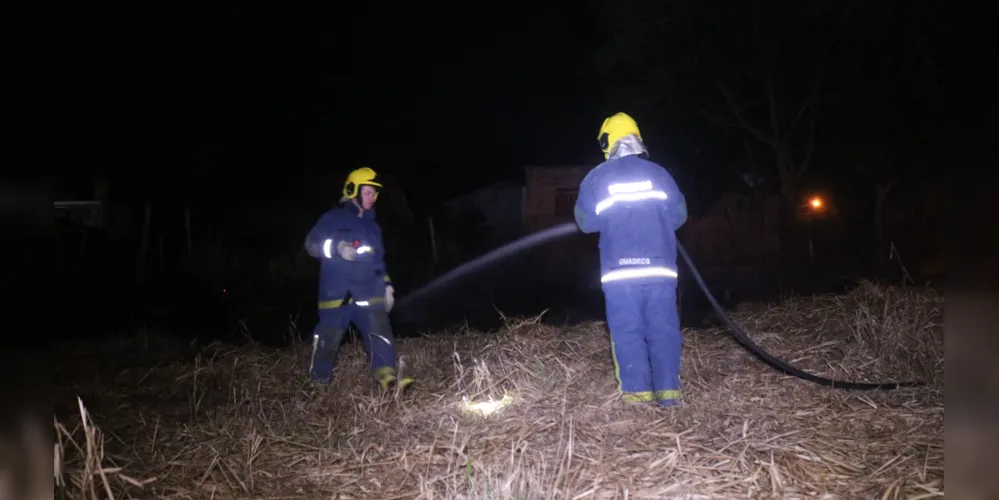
{"x": 527, "y": 412}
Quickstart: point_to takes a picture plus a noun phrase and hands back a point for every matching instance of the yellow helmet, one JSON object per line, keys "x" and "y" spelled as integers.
{"x": 356, "y": 179}
{"x": 613, "y": 129}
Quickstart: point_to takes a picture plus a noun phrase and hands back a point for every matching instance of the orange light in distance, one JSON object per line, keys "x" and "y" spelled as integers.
{"x": 815, "y": 203}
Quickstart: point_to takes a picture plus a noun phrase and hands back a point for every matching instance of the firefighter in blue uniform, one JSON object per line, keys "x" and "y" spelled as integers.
{"x": 353, "y": 283}
{"x": 636, "y": 207}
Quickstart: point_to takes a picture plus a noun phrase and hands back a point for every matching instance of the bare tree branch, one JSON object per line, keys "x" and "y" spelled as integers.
{"x": 717, "y": 120}
{"x": 888, "y": 188}
{"x": 884, "y": 189}
{"x": 812, "y": 103}
{"x": 743, "y": 122}
{"x": 801, "y": 111}
{"x": 768, "y": 62}
{"x": 810, "y": 148}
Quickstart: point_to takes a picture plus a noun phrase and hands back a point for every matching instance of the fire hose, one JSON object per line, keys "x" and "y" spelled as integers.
{"x": 740, "y": 336}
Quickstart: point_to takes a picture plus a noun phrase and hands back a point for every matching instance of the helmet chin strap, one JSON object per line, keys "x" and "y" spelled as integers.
{"x": 353, "y": 201}
{"x": 357, "y": 204}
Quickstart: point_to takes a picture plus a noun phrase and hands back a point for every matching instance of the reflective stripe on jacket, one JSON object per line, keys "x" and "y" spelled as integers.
{"x": 636, "y": 207}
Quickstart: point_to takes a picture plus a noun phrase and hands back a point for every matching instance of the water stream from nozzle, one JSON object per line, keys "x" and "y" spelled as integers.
{"x": 502, "y": 252}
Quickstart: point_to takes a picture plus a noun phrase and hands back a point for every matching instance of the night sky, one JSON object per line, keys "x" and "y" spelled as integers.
{"x": 444, "y": 97}
{"x": 213, "y": 105}
{"x": 250, "y": 102}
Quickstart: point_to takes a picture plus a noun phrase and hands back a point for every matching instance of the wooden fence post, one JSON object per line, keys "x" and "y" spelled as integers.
{"x": 187, "y": 228}
{"x": 145, "y": 241}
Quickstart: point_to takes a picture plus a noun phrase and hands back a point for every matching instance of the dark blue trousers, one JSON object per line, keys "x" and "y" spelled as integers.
{"x": 645, "y": 333}
{"x": 376, "y": 334}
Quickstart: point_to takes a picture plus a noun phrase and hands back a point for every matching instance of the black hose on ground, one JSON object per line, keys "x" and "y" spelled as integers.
{"x": 766, "y": 357}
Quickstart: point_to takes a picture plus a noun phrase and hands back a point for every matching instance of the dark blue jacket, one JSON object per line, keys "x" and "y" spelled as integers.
{"x": 636, "y": 207}
{"x": 364, "y": 278}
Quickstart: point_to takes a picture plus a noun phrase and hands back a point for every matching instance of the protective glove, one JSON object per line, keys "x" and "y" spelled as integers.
{"x": 389, "y": 298}
{"x": 346, "y": 250}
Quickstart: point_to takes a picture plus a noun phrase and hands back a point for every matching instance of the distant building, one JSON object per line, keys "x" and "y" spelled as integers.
{"x": 546, "y": 199}
{"x": 550, "y": 199}
{"x": 550, "y": 194}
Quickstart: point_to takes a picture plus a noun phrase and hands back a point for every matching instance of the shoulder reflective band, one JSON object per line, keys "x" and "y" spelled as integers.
{"x": 630, "y": 191}
{"x": 327, "y": 246}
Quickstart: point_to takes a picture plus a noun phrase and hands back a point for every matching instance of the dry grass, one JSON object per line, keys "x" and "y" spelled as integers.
{"x": 226, "y": 422}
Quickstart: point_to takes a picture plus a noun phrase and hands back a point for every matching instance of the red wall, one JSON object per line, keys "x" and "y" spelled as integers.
{"x": 543, "y": 186}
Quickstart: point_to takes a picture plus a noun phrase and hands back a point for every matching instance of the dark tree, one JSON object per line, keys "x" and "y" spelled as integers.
{"x": 792, "y": 76}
